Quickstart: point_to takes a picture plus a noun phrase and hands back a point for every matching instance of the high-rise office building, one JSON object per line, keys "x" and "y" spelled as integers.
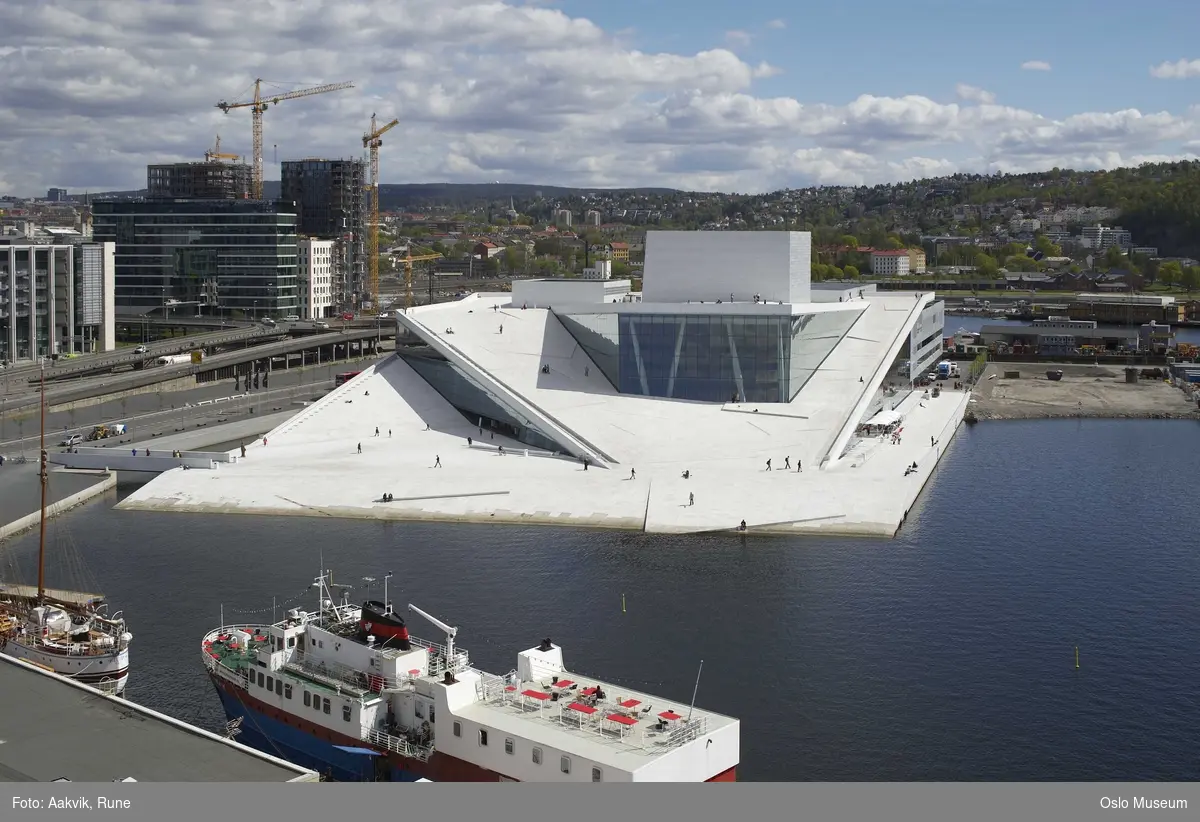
{"x": 198, "y": 181}
{"x": 210, "y": 256}
{"x": 329, "y": 197}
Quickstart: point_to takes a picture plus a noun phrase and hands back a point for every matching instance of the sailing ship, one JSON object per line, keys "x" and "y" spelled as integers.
{"x": 64, "y": 631}
{"x": 348, "y": 692}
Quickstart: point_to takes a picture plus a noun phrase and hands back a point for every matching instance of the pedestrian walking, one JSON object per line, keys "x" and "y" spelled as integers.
{"x": 632, "y": 474}
{"x": 799, "y": 467}
{"x": 502, "y": 328}
{"x": 468, "y": 442}
{"x": 768, "y": 465}
{"x": 377, "y": 430}
{"x": 691, "y": 500}
{"x": 787, "y": 463}
{"x": 360, "y": 448}
{"x": 437, "y": 462}
{"x": 389, "y": 433}
{"x": 264, "y": 440}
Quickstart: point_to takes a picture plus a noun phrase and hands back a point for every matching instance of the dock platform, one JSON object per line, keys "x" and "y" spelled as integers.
{"x": 55, "y": 729}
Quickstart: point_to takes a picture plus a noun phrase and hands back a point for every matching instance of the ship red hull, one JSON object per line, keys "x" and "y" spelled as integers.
{"x": 439, "y": 768}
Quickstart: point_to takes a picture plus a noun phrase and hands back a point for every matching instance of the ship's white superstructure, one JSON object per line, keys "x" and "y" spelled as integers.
{"x": 430, "y": 713}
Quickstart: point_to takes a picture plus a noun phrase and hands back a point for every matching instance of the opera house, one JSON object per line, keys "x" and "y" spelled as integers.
{"x": 730, "y": 393}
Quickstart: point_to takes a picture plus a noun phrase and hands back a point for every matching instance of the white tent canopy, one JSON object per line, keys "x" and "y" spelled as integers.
{"x": 885, "y": 418}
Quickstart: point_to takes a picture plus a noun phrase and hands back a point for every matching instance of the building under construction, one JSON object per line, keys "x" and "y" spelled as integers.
{"x": 329, "y": 198}
{"x": 198, "y": 181}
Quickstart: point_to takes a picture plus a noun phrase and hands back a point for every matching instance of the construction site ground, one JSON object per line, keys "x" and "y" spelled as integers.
{"x": 1083, "y": 391}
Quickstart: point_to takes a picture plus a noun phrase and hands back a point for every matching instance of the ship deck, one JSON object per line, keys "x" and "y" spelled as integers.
{"x": 53, "y": 728}
{"x": 79, "y": 598}
{"x": 580, "y": 723}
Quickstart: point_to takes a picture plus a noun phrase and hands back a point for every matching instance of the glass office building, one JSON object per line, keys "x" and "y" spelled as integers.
{"x": 217, "y": 256}
{"x": 709, "y": 358}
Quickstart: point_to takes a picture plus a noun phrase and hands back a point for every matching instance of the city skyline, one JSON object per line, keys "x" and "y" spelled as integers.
{"x": 706, "y": 96}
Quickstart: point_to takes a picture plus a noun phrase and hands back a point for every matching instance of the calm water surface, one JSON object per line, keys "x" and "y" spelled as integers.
{"x": 945, "y": 654}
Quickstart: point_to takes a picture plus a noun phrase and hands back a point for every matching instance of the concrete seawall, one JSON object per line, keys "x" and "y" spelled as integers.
{"x": 105, "y": 481}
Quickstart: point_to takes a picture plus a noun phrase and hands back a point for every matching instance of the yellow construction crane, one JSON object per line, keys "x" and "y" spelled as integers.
{"x": 216, "y": 154}
{"x": 371, "y": 140}
{"x": 260, "y": 104}
{"x": 408, "y": 261}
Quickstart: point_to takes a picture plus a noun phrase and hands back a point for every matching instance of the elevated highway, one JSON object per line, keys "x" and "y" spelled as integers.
{"x": 270, "y": 355}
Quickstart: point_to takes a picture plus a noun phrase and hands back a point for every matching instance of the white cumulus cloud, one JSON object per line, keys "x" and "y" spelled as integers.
{"x": 1179, "y": 70}
{"x": 485, "y": 90}
{"x": 1035, "y": 65}
{"x": 738, "y": 37}
{"x": 973, "y": 94}
{"x": 777, "y": 24}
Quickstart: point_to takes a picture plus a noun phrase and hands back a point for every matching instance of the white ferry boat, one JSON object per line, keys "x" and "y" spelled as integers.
{"x": 346, "y": 691}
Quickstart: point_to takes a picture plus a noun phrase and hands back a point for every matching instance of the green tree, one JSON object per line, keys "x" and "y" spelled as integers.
{"x": 620, "y": 270}
{"x": 1048, "y": 249}
{"x": 848, "y": 240}
{"x": 1113, "y": 258}
{"x": 512, "y": 260}
{"x": 987, "y": 265}
{"x": 894, "y": 243}
{"x": 1190, "y": 278}
{"x": 851, "y": 272}
{"x": 1170, "y": 273}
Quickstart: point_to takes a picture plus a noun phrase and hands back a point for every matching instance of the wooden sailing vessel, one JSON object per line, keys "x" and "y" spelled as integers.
{"x": 65, "y": 631}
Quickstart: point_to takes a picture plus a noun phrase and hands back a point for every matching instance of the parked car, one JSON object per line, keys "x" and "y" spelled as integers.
{"x": 267, "y": 321}
{"x": 321, "y": 324}
{"x": 292, "y": 318}
{"x": 74, "y": 439}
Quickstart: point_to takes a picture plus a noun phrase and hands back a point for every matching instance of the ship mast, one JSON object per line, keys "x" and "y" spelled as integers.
{"x": 44, "y": 478}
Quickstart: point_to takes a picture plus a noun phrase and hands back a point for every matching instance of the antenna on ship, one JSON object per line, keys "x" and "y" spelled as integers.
{"x": 387, "y": 603}
{"x": 695, "y": 690}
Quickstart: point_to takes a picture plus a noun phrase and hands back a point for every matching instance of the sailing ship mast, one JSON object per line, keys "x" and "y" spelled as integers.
{"x": 42, "y": 473}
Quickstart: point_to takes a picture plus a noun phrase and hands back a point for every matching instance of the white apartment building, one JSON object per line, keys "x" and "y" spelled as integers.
{"x": 890, "y": 263}
{"x": 592, "y": 217}
{"x": 562, "y": 218}
{"x": 56, "y": 299}
{"x": 599, "y": 270}
{"x": 1102, "y": 237}
{"x": 316, "y": 277}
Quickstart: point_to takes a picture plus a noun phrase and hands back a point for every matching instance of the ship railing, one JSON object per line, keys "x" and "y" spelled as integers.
{"x": 332, "y": 674}
{"x": 437, "y": 658}
{"x": 490, "y": 688}
{"x": 397, "y": 744}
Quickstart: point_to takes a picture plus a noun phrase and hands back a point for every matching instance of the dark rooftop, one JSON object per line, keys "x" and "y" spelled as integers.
{"x": 52, "y": 728}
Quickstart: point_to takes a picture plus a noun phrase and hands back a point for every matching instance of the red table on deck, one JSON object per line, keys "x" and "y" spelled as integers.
{"x": 535, "y": 694}
{"x": 622, "y": 719}
{"x": 563, "y": 683}
{"x": 631, "y": 703}
{"x": 670, "y": 715}
{"x": 589, "y": 691}
{"x": 583, "y": 709}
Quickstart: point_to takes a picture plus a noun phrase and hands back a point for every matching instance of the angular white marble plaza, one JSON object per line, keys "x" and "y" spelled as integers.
{"x": 536, "y": 368}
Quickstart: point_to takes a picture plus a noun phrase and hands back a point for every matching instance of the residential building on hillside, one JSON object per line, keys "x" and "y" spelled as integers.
{"x": 619, "y": 252}
{"x": 916, "y": 260}
{"x": 890, "y": 263}
{"x": 592, "y": 218}
{"x": 598, "y": 270}
{"x": 316, "y": 277}
{"x": 217, "y": 255}
{"x": 56, "y": 299}
{"x": 1102, "y": 238}
{"x": 562, "y": 218}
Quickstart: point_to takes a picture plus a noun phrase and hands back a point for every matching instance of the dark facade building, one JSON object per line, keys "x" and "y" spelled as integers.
{"x": 215, "y": 256}
{"x": 198, "y": 181}
{"x": 329, "y": 197}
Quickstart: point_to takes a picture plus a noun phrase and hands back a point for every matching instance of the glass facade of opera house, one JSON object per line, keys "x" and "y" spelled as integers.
{"x": 709, "y": 358}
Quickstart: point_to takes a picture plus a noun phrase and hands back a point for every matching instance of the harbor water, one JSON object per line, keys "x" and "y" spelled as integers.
{"x": 948, "y": 653}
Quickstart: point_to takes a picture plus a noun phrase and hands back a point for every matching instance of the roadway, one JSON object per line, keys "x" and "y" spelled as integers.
{"x": 13, "y": 402}
{"x": 152, "y": 415}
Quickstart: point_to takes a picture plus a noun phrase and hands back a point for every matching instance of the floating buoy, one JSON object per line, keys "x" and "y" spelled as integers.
{"x": 1077, "y": 657}
{"x": 622, "y": 603}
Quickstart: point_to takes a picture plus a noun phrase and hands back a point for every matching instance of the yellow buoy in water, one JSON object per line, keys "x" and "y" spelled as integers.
{"x": 622, "y": 603}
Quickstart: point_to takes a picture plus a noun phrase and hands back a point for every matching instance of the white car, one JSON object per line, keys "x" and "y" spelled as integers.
{"x": 74, "y": 439}
{"x": 292, "y": 318}
{"x": 141, "y": 349}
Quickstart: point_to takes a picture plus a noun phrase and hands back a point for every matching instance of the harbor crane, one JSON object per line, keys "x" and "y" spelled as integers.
{"x": 372, "y": 141}
{"x": 260, "y": 104}
{"x": 450, "y": 634}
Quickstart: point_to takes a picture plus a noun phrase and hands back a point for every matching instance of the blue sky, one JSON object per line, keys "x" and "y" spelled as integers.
{"x": 1100, "y": 51}
{"x": 745, "y": 96}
